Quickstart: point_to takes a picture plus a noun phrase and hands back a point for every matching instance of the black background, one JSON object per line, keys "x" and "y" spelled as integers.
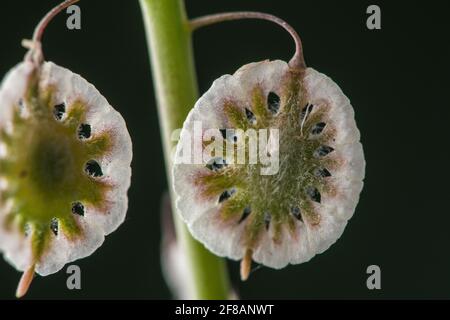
{"x": 396, "y": 78}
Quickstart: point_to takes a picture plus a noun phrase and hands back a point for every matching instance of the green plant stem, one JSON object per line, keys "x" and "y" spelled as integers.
{"x": 169, "y": 42}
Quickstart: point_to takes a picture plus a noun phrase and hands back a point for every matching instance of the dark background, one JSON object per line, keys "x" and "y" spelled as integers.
{"x": 396, "y": 78}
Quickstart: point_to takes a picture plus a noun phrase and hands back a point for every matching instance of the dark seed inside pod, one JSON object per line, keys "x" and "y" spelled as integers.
{"x": 318, "y": 128}
{"x": 226, "y": 195}
{"x": 314, "y": 194}
{"x": 228, "y": 134}
{"x": 78, "y": 208}
{"x": 297, "y": 213}
{"x": 323, "y": 151}
{"x": 245, "y": 213}
{"x": 54, "y": 226}
{"x": 250, "y": 116}
{"x": 21, "y": 105}
{"x": 216, "y": 164}
{"x": 223, "y": 132}
{"x": 93, "y": 169}
{"x": 306, "y": 110}
{"x": 59, "y": 111}
{"x": 84, "y": 131}
{"x": 267, "y": 219}
{"x": 322, "y": 173}
{"x": 273, "y": 102}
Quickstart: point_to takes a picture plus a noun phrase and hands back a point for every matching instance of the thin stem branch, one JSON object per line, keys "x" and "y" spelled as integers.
{"x": 297, "y": 60}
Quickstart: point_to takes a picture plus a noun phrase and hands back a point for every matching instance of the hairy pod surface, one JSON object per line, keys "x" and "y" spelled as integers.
{"x": 294, "y": 213}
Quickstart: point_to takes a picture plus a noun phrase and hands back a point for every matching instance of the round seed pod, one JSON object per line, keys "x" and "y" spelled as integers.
{"x": 274, "y": 217}
{"x": 64, "y": 167}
